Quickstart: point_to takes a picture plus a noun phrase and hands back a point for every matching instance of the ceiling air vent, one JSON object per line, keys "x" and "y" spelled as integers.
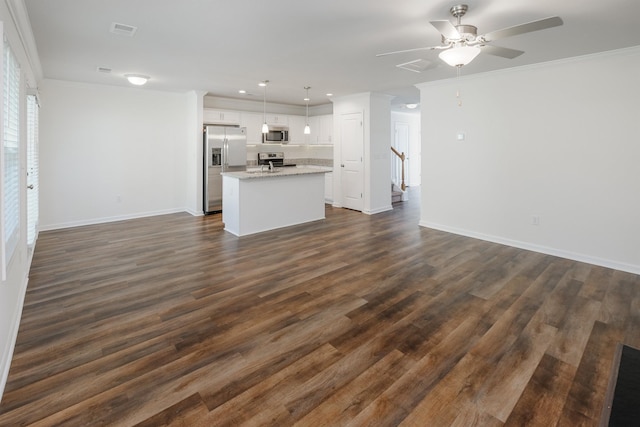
{"x": 417, "y": 65}
{"x": 104, "y": 70}
{"x": 123, "y": 29}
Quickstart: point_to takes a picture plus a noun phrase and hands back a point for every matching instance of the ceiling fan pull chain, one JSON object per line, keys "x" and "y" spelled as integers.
{"x": 458, "y": 89}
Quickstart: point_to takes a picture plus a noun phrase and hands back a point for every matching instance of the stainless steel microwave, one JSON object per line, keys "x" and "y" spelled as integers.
{"x": 276, "y": 135}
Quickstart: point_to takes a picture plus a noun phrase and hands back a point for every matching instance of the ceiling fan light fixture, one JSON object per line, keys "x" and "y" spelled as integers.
{"x": 459, "y": 55}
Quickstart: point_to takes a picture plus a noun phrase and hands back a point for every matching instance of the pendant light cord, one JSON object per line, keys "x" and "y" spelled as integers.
{"x": 307, "y": 129}
{"x": 265, "y": 127}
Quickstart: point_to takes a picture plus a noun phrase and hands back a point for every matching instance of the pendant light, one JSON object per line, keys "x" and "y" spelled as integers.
{"x": 307, "y": 129}
{"x": 265, "y": 127}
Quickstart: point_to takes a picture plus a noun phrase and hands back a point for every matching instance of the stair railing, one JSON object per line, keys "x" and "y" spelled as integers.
{"x": 402, "y": 157}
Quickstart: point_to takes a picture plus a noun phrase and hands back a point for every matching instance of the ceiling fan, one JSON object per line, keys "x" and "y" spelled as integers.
{"x": 461, "y": 43}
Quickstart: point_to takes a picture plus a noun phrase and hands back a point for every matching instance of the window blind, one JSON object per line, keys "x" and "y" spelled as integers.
{"x": 11, "y": 155}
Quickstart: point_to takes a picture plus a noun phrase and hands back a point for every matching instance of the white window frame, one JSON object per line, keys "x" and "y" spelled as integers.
{"x": 33, "y": 166}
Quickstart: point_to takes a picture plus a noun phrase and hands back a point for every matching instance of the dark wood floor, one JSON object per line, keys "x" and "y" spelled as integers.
{"x": 355, "y": 320}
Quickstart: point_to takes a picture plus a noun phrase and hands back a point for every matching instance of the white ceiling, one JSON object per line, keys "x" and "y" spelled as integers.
{"x": 221, "y": 46}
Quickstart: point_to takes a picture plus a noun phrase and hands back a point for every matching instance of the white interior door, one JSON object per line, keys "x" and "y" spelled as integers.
{"x": 352, "y": 153}
{"x": 401, "y": 144}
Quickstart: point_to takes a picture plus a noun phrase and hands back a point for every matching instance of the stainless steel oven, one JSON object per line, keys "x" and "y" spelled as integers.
{"x": 277, "y": 159}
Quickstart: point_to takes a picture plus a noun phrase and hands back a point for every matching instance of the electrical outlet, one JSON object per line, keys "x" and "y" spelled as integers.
{"x": 535, "y": 220}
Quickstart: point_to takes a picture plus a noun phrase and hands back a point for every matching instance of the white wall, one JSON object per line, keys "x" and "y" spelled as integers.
{"x": 557, "y": 141}
{"x": 194, "y": 152}
{"x": 376, "y": 113}
{"x": 110, "y": 153}
{"x": 378, "y": 151}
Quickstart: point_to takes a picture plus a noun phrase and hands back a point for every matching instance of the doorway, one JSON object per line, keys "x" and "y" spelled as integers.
{"x": 400, "y": 143}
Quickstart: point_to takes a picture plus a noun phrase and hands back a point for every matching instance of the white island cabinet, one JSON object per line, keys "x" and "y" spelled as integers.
{"x": 257, "y": 201}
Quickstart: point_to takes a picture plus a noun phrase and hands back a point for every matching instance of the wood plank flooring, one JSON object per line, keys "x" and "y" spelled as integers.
{"x": 352, "y": 321}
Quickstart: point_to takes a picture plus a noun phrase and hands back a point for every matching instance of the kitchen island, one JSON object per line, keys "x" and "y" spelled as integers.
{"x": 256, "y": 201}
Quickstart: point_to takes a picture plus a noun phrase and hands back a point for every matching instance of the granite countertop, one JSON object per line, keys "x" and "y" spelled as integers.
{"x": 255, "y": 173}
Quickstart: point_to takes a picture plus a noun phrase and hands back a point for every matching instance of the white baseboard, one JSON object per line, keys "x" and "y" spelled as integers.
{"x": 378, "y": 210}
{"x": 194, "y": 213}
{"x": 109, "y": 219}
{"x": 629, "y": 268}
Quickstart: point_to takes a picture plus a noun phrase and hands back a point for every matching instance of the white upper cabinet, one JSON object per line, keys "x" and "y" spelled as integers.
{"x": 321, "y": 129}
{"x": 296, "y": 130}
{"x": 253, "y": 123}
{"x": 321, "y": 126}
{"x": 277, "y": 120}
{"x": 314, "y": 124}
{"x": 325, "y": 129}
{"x": 211, "y": 116}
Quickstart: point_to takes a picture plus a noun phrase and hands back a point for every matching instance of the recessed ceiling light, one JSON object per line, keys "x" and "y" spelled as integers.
{"x": 411, "y": 106}
{"x": 137, "y": 79}
{"x": 242, "y": 91}
{"x": 262, "y": 84}
{"x": 329, "y": 94}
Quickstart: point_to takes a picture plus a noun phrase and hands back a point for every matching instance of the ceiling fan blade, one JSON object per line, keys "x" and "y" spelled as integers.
{"x": 412, "y": 50}
{"x": 501, "y": 51}
{"x": 541, "y": 24}
{"x": 447, "y": 29}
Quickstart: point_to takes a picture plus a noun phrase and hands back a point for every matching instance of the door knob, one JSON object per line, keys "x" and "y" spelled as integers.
{"x": 30, "y": 187}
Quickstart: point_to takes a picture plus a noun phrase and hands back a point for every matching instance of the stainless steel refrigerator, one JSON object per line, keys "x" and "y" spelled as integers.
{"x": 225, "y": 150}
